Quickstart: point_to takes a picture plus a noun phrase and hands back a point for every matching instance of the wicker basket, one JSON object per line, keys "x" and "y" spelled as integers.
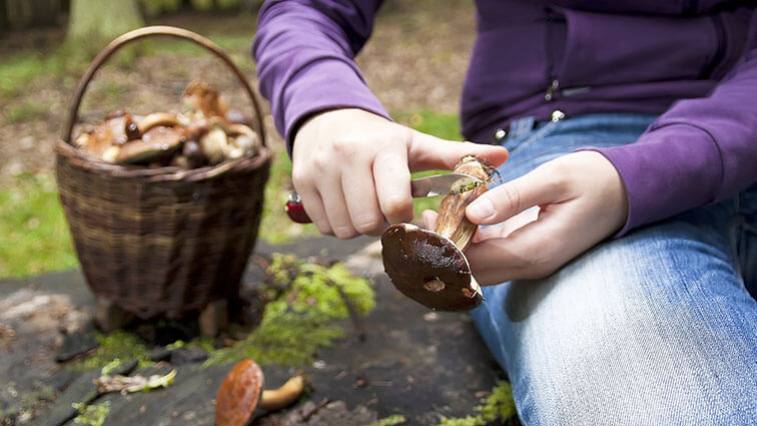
{"x": 162, "y": 241}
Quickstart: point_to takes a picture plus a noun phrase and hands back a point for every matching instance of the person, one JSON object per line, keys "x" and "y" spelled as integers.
{"x": 620, "y": 253}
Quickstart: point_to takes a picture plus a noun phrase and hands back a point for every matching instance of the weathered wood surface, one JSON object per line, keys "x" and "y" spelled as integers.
{"x": 412, "y": 362}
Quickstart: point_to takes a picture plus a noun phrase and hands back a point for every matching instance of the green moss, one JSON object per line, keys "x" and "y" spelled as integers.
{"x": 34, "y": 237}
{"x": 498, "y": 407}
{"x": 396, "y": 419}
{"x": 118, "y": 346}
{"x": 304, "y": 314}
{"x": 91, "y": 415}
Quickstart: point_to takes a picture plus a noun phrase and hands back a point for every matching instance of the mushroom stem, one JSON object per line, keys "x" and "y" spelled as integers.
{"x": 451, "y": 222}
{"x": 287, "y": 394}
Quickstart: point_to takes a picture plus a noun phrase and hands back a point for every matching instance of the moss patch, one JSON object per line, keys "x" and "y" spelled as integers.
{"x": 498, "y": 407}
{"x": 116, "y": 347}
{"x": 307, "y": 304}
{"x": 396, "y": 419}
{"x": 92, "y": 415}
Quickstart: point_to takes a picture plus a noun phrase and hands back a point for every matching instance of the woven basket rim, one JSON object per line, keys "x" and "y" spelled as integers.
{"x": 162, "y": 174}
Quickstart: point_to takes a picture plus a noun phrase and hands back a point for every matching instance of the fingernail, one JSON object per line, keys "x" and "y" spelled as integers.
{"x": 480, "y": 209}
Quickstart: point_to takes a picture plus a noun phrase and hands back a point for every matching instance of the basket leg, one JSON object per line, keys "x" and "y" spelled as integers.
{"x": 109, "y": 316}
{"x": 214, "y": 318}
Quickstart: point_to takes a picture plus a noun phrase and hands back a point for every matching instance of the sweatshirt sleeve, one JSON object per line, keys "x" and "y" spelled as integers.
{"x": 305, "y": 52}
{"x": 700, "y": 151}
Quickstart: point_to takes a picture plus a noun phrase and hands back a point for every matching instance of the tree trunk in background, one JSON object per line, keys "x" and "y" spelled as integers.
{"x": 45, "y": 12}
{"x": 19, "y": 14}
{"x": 3, "y": 17}
{"x": 93, "y": 23}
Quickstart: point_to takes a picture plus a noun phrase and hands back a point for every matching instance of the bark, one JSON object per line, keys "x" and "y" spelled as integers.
{"x": 92, "y": 23}
{"x": 45, "y": 12}
{"x": 3, "y": 16}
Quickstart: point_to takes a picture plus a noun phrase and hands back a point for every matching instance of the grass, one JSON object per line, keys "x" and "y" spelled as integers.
{"x": 17, "y": 71}
{"x": 27, "y": 110}
{"x": 34, "y": 236}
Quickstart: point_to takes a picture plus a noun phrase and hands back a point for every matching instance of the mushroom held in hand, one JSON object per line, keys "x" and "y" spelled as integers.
{"x": 429, "y": 266}
{"x": 241, "y": 392}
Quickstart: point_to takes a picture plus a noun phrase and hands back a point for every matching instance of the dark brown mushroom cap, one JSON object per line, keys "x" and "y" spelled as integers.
{"x": 429, "y": 269}
{"x": 155, "y": 143}
{"x": 239, "y": 394}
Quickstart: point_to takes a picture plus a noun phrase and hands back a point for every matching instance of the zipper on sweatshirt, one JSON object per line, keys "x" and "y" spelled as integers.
{"x": 550, "y": 56}
{"x": 717, "y": 58}
{"x": 555, "y": 32}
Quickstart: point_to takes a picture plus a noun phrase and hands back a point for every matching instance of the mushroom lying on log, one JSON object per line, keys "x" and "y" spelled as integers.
{"x": 241, "y": 392}
{"x": 429, "y": 266}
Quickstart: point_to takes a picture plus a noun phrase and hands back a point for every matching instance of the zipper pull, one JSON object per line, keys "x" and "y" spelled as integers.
{"x": 550, "y": 94}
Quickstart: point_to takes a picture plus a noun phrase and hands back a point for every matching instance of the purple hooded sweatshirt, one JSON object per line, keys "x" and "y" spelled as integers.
{"x": 694, "y": 62}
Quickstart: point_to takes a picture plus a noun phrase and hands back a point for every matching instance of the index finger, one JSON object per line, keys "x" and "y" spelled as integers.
{"x": 391, "y": 176}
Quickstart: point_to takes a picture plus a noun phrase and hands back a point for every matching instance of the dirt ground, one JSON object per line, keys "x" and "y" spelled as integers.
{"x": 416, "y": 60}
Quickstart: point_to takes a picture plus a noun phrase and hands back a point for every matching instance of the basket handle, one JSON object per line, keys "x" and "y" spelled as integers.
{"x": 158, "y": 30}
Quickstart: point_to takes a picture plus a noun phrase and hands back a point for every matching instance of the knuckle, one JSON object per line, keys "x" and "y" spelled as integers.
{"x": 367, "y": 225}
{"x": 344, "y": 232}
{"x": 400, "y": 133}
{"x": 320, "y": 161}
{"x": 396, "y": 206}
{"x": 511, "y": 199}
{"x": 555, "y": 176}
{"x": 344, "y": 147}
{"x": 300, "y": 179}
{"x": 325, "y": 230}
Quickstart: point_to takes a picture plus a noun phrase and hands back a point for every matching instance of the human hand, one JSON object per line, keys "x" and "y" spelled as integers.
{"x": 545, "y": 218}
{"x": 352, "y": 169}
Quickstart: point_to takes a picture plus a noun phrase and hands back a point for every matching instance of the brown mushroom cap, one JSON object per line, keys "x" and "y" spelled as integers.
{"x": 239, "y": 394}
{"x": 154, "y": 144}
{"x": 165, "y": 119}
{"x": 203, "y": 97}
{"x": 429, "y": 269}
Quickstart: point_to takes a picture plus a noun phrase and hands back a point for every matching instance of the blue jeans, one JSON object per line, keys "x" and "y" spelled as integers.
{"x": 655, "y": 328}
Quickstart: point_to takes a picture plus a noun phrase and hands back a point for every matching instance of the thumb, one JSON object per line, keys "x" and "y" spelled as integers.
{"x": 536, "y": 188}
{"x": 429, "y": 152}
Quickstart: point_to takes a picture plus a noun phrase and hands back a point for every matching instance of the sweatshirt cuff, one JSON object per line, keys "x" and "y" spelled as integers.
{"x": 320, "y": 86}
{"x": 669, "y": 170}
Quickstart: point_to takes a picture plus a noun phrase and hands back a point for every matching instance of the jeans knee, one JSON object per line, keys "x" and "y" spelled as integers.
{"x": 621, "y": 337}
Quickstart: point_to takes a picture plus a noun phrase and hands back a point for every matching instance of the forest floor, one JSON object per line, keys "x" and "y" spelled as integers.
{"x": 415, "y": 63}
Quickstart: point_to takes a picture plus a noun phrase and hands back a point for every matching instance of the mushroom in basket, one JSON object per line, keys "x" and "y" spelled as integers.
{"x": 430, "y": 266}
{"x": 202, "y": 136}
